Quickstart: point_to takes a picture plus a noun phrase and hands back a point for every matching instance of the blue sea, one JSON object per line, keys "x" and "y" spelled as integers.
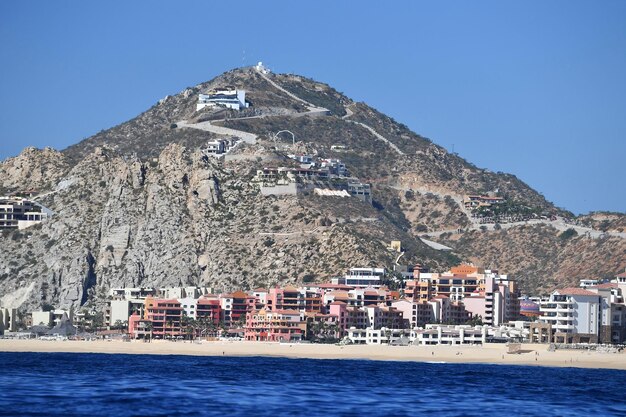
{"x": 72, "y": 384}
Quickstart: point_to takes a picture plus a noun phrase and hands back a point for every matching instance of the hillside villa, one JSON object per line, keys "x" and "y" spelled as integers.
{"x": 475, "y": 201}
{"x": 228, "y": 97}
{"x": 20, "y": 213}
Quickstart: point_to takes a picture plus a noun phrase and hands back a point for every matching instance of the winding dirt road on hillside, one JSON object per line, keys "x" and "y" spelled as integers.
{"x": 313, "y": 110}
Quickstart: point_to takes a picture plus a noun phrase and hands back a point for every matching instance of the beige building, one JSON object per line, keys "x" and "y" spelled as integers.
{"x": 50, "y": 318}
{"x": 44, "y": 318}
{"x": 396, "y": 245}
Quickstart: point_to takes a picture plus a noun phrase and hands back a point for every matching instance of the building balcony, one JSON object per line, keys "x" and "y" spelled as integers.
{"x": 556, "y": 310}
{"x": 555, "y": 304}
{"x": 558, "y": 317}
{"x": 568, "y": 328}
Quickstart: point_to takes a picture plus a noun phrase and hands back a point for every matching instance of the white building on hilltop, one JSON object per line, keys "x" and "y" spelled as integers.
{"x": 228, "y": 97}
{"x": 262, "y": 68}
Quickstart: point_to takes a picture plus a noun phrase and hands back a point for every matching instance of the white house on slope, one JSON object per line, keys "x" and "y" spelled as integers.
{"x": 228, "y": 97}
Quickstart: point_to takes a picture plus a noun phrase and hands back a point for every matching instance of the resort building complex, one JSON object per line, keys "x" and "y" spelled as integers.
{"x": 465, "y": 305}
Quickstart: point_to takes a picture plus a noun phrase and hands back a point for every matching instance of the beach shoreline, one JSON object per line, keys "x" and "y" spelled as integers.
{"x": 532, "y": 354}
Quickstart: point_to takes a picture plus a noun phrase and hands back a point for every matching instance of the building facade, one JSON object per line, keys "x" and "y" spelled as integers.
{"x": 574, "y": 315}
{"x": 228, "y": 97}
{"x": 274, "y": 326}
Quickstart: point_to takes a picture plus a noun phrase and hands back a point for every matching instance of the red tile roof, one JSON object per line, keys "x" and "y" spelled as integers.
{"x": 575, "y": 291}
{"x": 287, "y": 312}
{"x": 605, "y": 285}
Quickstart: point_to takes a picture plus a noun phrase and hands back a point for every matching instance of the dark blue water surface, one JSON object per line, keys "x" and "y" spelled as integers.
{"x": 68, "y": 384}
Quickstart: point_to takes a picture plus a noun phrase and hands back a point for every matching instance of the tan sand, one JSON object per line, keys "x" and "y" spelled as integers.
{"x": 490, "y": 353}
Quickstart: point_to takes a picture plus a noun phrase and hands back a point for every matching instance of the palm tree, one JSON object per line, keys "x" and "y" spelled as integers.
{"x": 332, "y": 331}
{"x": 318, "y": 331}
{"x": 148, "y": 327}
{"x": 189, "y": 326}
{"x": 388, "y": 335}
{"x": 169, "y": 324}
{"x": 203, "y": 326}
{"x": 222, "y": 328}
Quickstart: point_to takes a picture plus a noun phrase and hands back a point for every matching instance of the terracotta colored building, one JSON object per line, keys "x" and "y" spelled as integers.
{"x": 166, "y": 317}
{"x": 274, "y": 326}
{"x": 208, "y": 308}
{"x": 235, "y": 306}
{"x": 291, "y": 298}
{"x": 139, "y": 328}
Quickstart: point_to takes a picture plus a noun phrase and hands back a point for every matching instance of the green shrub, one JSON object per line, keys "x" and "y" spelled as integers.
{"x": 568, "y": 234}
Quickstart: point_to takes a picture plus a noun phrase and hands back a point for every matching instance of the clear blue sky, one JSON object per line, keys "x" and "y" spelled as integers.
{"x": 534, "y": 88}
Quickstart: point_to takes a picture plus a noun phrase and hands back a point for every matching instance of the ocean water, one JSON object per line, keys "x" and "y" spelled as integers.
{"x": 71, "y": 384}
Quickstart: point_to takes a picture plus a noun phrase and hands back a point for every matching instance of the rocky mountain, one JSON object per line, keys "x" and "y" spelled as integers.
{"x": 141, "y": 204}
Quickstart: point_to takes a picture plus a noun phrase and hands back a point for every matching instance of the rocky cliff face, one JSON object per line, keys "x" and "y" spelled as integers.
{"x": 33, "y": 169}
{"x": 184, "y": 219}
{"x": 140, "y": 205}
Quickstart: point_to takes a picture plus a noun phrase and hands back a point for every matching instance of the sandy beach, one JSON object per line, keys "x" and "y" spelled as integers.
{"x": 534, "y": 355}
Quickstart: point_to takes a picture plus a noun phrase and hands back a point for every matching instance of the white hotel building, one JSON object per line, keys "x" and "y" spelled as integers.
{"x": 362, "y": 277}
{"x": 574, "y": 314}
